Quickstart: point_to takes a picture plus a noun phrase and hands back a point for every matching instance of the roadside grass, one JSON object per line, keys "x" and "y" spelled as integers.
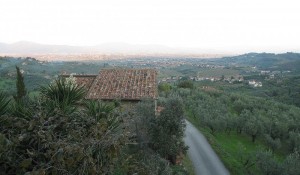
{"x": 188, "y": 165}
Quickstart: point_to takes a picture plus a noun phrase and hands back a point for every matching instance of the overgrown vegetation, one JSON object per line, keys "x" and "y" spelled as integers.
{"x": 53, "y": 140}
{"x": 59, "y": 132}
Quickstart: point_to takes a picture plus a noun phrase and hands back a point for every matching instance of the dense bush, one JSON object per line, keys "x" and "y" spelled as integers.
{"x": 42, "y": 137}
{"x": 164, "y": 132}
{"x": 186, "y": 84}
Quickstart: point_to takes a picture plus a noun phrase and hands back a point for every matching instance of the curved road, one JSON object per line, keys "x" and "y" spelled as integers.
{"x": 204, "y": 159}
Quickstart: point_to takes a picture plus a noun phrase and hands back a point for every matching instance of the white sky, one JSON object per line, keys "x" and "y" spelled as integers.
{"x": 228, "y": 25}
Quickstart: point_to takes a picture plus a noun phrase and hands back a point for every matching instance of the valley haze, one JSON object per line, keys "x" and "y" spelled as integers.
{"x": 106, "y": 51}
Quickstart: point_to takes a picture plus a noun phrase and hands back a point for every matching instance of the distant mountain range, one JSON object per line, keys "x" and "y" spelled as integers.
{"x": 24, "y": 47}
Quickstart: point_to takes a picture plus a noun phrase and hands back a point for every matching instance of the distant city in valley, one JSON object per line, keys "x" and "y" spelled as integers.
{"x": 108, "y": 51}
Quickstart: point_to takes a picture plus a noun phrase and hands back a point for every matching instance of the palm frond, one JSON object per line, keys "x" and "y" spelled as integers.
{"x": 62, "y": 95}
{"x": 99, "y": 109}
{"x": 4, "y": 102}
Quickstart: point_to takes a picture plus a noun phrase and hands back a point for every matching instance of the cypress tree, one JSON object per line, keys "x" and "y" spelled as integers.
{"x": 21, "y": 90}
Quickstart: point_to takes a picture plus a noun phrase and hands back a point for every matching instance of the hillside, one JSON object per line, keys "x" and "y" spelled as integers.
{"x": 284, "y": 61}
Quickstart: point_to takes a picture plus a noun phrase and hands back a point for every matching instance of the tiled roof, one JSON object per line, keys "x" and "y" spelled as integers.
{"x": 126, "y": 84}
{"x": 83, "y": 80}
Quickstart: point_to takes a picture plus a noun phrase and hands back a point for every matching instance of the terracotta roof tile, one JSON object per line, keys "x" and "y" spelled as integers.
{"x": 128, "y": 84}
{"x": 83, "y": 80}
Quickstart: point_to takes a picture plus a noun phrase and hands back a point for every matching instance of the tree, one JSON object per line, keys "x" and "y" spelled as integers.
{"x": 215, "y": 122}
{"x": 291, "y": 164}
{"x": 167, "y": 130}
{"x": 294, "y": 141}
{"x": 267, "y": 164}
{"x": 21, "y": 90}
{"x": 253, "y": 126}
{"x": 213, "y": 115}
{"x": 164, "y": 87}
{"x": 230, "y": 123}
{"x": 273, "y": 143}
{"x": 246, "y": 157}
{"x": 186, "y": 84}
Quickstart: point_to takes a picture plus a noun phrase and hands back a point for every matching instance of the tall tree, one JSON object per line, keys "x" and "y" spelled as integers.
{"x": 21, "y": 90}
{"x": 167, "y": 131}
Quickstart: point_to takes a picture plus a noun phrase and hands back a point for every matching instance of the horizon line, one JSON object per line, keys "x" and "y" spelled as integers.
{"x": 189, "y": 50}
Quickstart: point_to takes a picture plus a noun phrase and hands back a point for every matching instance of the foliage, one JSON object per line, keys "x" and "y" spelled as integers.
{"x": 267, "y": 164}
{"x": 253, "y": 125}
{"x": 186, "y": 84}
{"x": 142, "y": 161}
{"x": 99, "y": 109}
{"x": 63, "y": 91}
{"x": 167, "y": 130}
{"x": 294, "y": 141}
{"x": 21, "y": 90}
{"x": 22, "y": 109}
{"x": 36, "y": 141}
{"x": 4, "y": 102}
{"x": 57, "y": 145}
{"x": 272, "y": 143}
{"x": 247, "y": 159}
{"x": 163, "y": 132}
{"x": 292, "y": 164}
{"x": 61, "y": 133}
{"x": 267, "y": 123}
{"x": 164, "y": 87}
{"x": 209, "y": 113}
{"x": 62, "y": 96}
{"x": 145, "y": 112}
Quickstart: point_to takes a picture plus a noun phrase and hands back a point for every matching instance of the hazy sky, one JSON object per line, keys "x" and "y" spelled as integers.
{"x": 229, "y": 25}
